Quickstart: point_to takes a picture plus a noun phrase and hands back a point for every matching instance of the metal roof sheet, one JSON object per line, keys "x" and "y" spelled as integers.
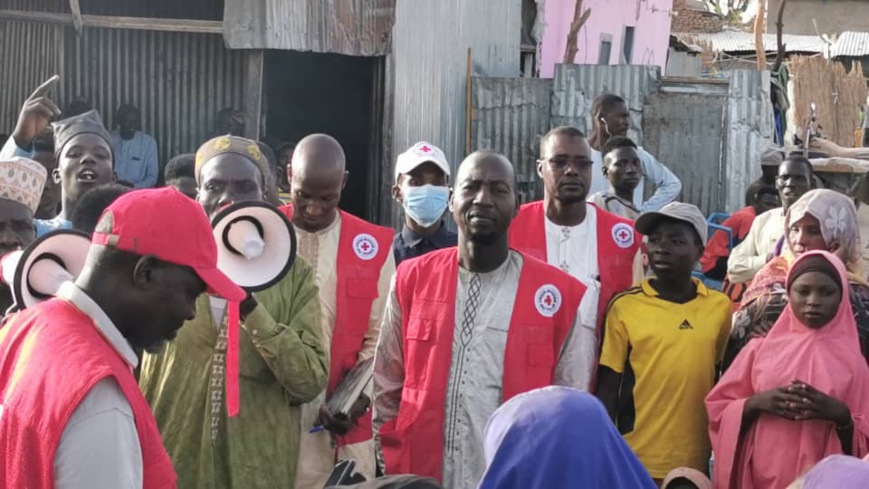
{"x": 739, "y": 41}
{"x": 854, "y": 44}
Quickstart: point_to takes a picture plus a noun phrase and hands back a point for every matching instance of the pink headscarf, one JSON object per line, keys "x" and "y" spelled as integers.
{"x": 828, "y": 359}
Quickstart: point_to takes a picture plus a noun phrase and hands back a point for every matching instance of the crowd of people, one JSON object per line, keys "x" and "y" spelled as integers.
{"x": 565, "y": 342}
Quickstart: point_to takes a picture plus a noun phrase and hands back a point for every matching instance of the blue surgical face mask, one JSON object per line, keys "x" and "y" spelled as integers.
{"x": 426, "y": 204}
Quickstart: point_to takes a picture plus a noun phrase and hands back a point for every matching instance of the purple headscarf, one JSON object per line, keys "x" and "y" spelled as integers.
{"x": 839, "y": 472}
{"x": 558, "y": 437}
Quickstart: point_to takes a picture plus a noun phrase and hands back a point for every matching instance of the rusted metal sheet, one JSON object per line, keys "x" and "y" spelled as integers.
{"x": 749, "y": 126}
{"x": 683, "y": 127}
{"x": 509, "y": 116}
{"x": 352, "y": 27}
{"x": 576, "y": 86}
{"x": 30, "y": 56}
{"x": 179, "y": 81}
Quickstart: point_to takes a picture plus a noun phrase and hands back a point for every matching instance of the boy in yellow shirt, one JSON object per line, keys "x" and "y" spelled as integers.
{"x": 662, "y": 343}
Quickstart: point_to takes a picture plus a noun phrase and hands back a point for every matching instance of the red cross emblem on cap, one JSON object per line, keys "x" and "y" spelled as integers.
{"x": 425, "y": 149}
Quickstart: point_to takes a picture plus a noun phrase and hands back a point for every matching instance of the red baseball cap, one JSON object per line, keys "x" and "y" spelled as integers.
{"x": 171, "y": 226}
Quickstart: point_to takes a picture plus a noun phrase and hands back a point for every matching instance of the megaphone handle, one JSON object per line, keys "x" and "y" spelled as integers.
{"x": 233, "y": 323}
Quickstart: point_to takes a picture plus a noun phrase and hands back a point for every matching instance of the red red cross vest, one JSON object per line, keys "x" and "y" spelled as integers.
{"x": 543, "y": 314}
{"x": 51, "y": 355}
{"x": 362, "y": 250}
{"x": 617, "y": 245}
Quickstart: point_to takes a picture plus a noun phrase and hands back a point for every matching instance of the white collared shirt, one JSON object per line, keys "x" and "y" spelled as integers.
{"x": 99, "y": 447}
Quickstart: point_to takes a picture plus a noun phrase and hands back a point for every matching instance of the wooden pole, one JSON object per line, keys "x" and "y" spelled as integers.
{"x": 758, "y": 35}
{"x": 75, "y": 8}
{"x": 469, "y": 94}
{"x": 253, "y": 94}
{"x": 114, "y": 22}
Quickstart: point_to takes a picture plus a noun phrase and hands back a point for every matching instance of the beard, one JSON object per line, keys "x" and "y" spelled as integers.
{"x": 571, "y": 198}
{"x": 484, "y": 239}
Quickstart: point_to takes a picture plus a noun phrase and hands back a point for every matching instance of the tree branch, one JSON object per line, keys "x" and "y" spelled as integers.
{"x": 579, "y": 19}
{"x": 780, "y": 48}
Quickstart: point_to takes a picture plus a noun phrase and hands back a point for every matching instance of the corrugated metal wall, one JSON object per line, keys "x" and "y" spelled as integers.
{"x": 750, "y": 124}
{"x": 510, "y": 115}
{"x": 31, "y": 53}
{"x": 710, "y": 134}
{"x": 179, "y": 81}
{"x": 175, "y": 9}
{"x": 576, "y": 86}
{"x": 429, "y": 64}
{"x": 353, "y": 27}
{"x": 683, "y": 127}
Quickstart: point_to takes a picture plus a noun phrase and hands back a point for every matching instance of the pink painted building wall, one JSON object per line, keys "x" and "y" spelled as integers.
{"x": 650, "y": 20}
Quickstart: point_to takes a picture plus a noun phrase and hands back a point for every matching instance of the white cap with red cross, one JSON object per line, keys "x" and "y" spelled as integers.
{"x": 419, "y": 153}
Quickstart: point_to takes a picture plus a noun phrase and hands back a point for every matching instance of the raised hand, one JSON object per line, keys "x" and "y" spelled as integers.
{"x": 36, "y": 113}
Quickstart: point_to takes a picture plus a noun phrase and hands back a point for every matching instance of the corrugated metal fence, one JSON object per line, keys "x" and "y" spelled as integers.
{"x": 428, "y": 66}
{"x": 709, "y": 134}
{"x": 31, "y": 54}
{"x": 512, "y": 114}
{"x": 178, "y": 80}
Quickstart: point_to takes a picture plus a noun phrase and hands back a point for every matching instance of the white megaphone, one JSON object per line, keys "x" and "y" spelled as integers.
{"x": 256, "y": 244}
{"x": 35, "y": 273}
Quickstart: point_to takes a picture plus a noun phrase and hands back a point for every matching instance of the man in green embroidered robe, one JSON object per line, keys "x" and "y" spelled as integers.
{"x": 282, "y": 360}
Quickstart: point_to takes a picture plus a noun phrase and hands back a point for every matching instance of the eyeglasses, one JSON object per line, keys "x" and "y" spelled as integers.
{"x": 561, "y": 162}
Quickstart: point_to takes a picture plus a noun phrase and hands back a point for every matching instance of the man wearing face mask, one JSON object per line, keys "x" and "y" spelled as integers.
{"x": 422, "y": 177}
{"x": 353, "y": 265}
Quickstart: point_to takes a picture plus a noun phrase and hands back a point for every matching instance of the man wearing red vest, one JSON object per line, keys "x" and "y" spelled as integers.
{"x": 72, "y": 415}
{"x": 596, "y": 247}
{"x": 468, "y": 328}
{"x": 353, "y": 263}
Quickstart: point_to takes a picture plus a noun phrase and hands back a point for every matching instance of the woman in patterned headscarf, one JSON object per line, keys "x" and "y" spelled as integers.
{"x": 821, "y": 220}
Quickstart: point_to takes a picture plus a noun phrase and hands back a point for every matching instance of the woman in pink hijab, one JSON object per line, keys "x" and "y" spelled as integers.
{"x": 799, "y": 394}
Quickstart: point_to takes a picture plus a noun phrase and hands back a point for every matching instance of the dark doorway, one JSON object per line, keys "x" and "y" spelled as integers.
{"x": 328, "y": 93}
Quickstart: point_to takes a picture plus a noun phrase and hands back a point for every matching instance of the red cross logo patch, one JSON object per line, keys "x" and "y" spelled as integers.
{"x": 623, "y": 235}
{"x": 547, "y": 300}
{"x": 365, "y": 246}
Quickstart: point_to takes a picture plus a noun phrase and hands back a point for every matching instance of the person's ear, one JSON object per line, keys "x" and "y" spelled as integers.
{"x": 55, "y": 175}
{"x": 144, "y": 273}
{"x": 540, "y": 168}
{"x": 396, "y": 194}
{"x": 114, "y": 176}
{"x": 344, "y": 181}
